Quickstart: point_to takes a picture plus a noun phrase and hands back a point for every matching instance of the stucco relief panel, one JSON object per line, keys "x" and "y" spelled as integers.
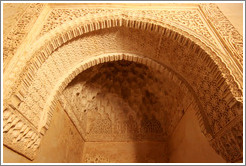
{"x": 188, "y": 18}
{"x": 205, "y": 78}
{"x": 17, "y": 34}
{"x": 226, "y": 30}
{"x": 110, "y": 105}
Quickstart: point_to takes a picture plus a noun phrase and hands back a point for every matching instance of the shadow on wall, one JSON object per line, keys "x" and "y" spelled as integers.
{"x": 187, "y": 144}
{"x": 61, "y": 143}
{"x": 128, "y": 112}
{"x": 120, "y": 109}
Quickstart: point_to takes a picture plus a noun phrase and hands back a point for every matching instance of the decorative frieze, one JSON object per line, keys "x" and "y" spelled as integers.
{"x": 231, "y": 38}
{"x": 19, "y": 134}
{"x": 229, "y": 143}
{"x": 109, "y": 106}
{"x": 174, "y": 41}
{"x": 13, "y": 39}
{"x": 188, "y": 18}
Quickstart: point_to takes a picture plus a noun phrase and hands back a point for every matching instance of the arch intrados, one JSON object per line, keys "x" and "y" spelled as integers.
{"x": 104, "y": 58}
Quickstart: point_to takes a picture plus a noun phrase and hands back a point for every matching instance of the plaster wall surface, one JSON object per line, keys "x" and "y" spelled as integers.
{"x": 188, "y": 144}
{"x": 9, "y": 156}
{"x": 61, "y": 143}
{"x": 124, "y": 152}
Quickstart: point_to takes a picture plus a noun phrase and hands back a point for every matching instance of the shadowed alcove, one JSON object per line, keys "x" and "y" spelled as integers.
{"x": 123, "y": 86}
{"x": 127, "y": 112}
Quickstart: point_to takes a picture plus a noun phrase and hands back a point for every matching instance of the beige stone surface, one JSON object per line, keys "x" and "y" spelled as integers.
{"x": 124, "y": 74}
{"x": 188, "y": 144}
{"x": 61, "y": 144}
{"x": 124, "y": 152}
{"x": 10, "y": 156}
{"x": 109, "y": 104}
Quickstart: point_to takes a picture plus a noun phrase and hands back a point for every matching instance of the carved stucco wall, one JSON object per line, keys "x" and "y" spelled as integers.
{"x": 234, "y": 12}
{"x": 123, "y": 108}
{"x": 11, "y": 15}
{"x": 186, "y": 42}
{"x": 122, "y": 152}
{"x": 18, "y": 21}
{"x": 124, "y": 101}
{"x": 62, "y": 143}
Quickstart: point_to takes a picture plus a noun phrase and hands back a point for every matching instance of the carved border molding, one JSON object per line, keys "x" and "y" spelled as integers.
{"x": 18, "y": 82}
{"x": 19, "y": 134}
{"x": 188, "y": 18}
{"x": 104, "y": 58}
{"x": 184, "y": 17}
{"x": 14, "y": 38}
{"x": 230, "y": 37}
{"x": 52, "y": 40}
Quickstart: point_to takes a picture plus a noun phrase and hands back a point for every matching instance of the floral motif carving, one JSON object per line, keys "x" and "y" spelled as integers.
{"x": 187, "y": 18}
{"x": 12, "y": 41}
{"x": 113, "y": 108}
{"x": 207, "y": 82}
{"x": 209, "y": 75}
{"x": 229, "y": 34}
{"x": 232, "y": 136}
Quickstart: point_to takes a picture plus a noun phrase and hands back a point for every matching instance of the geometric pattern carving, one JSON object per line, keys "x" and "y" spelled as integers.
{"x": 109, "y": 104}
{"x": 187, "y": 18}
{"x": 214, "y": 78}
{"x": 232, "y": 135}
{"x": 14, "y": 38}
{"x": 184, "y": 18}
{"x": 19, "y": 134}
{"x": 230, "y": 36}
{"x": 206, "y": 80}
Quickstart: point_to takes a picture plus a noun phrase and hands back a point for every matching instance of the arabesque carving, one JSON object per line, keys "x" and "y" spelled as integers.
{"x": 13, "y": 39}
{"x": 19, "y": 134}
{"x": 187, "y": 18}
{"x": 232, "y": 38}
{"x": 212, "y": 77}
{"x": 233, "y": 136}
{"x": 109, "y": 104}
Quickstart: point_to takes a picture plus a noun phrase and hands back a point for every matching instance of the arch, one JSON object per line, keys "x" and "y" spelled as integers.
{"x": 16, "y": 91}
{"x": 104, "y": 58}
{"x": 59, "y": 96}
{"x": 40, "y": 50}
